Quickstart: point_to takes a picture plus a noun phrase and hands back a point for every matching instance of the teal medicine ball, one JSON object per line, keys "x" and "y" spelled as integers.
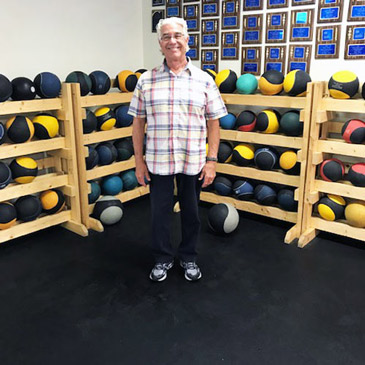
{"x": 129, "y": 179}
{"x": 81, "y": 78}
{"x": 111, "y": 185}
{"x": 290, "y": 123}
{"x": 228, "y": 121}
{"x": 246, "y": 84}
{"x": 95, "y": 192}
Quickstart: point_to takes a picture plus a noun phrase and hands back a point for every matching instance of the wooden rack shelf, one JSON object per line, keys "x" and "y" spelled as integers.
{"x": 59, "y": 155}
{"x": 322, "y": 145}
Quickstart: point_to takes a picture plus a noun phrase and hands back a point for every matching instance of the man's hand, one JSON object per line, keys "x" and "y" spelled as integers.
{"x": 208, "y": 173}
{"x": 142, "y": 173}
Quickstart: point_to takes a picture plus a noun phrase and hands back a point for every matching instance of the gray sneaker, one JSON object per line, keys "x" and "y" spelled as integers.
{"x": 192, "y": 271}
{"x": 159, "y": 271}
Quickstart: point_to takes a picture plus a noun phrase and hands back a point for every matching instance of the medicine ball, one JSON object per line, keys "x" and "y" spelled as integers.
{"x": 243, "y": 190}
{"x": 271, "y": 82}
{"x": 23, "y": 89}
{"x": 28, "y": 208}
{"x": 228, "y": 121}
{"x": 356, "y": 174}
{"x": 124, "y": 148}
{"x": 92, "y": 159}
{"x": 5, "y": 175}
{"x": 95, "y": 192}
{"x": 223, "y": 218}
{"x": 266, "y": 158}
{"x": 105, "y": 118}
{"x": 139, "y": 72}
{"x": 267, "y": 121}
{"x": 6, "y": 88}
{"x": 126, "y": 81}
{"x": 211, "y": 72}
{"x": 243, "y": 154}
{"x": 47, "y": 85}
{"x": 288, "y": 162}
{"x": 343, "y": 85}
{"x": 246, "y": 84}
{"x": 2, "y": 133}
{"x": 290, "y": 123}
{"x": 226, "y": 81}
{"x": 265, "y": 194}
{"x": 108, "y": 209}
{"x": 246, "y": 121}
{"x": 286, "y": 200}
{"x": 19, "y": 129}
{"x": 53, "y": 201}
{"x": 100, "y": 82}
{"x": 46, "y": 126}
{"x": 225, "y": 151}
{"x": 222, "y": 185}
{"x": 332, "y": 170}
{"x": 331, "y": 207}
{"x": 355, "y": 214}
{"x": 353, "y": 131}
{"x": 111, "y": 185}
{"x": 7, "y": 215}
{"x": 129, "y": 179}
{"x": 107, "y": 153}
{"x": 123, "y": 119}
{"x": 90, "y": 123}
{"x": 363, "y": 91}
{"x": 81, "y": 78}
{"x": 23, "y": 169}
{"x": 295, "y": 83}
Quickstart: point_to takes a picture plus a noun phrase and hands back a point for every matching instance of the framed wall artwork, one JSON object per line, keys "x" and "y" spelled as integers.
{"x": 251, "y": 60}
{"x": 275, "y": 57}
{"x": 299, "y": 57}
{"x": 327, "y": 41}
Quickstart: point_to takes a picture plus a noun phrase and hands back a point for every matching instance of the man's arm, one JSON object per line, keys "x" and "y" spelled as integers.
{"x": 138, "y": 137}
{"x": 208, "y": 172}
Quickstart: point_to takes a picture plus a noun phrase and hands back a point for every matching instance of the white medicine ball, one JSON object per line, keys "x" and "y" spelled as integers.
{"x": 108, "y": 210}
{"x": 223, "y": 218}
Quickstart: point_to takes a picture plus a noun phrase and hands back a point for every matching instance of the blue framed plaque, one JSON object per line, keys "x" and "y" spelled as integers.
{"x": 210, "y": 9}
{"x": 158, "y": 2}
{"x": 274, "y": 53}
{"x": 301, "y": 27}
{"x": 251, "y": 60}
{"x": 272, "y": 4}
{"x": 230, "y": 45}
{"x": 276, "y": 27}
{"x": 356, "y": 50}
{"x": 297, "y": 66}
{"x": 275, "y": 57}
{"x": 230, "y": 22}
{"x": 327, "y": 41}
{"x": 194, "y": 46}
{"x": 172, "y": 11}
{"x": 209, "y": 56}
{"x": 329, "y": 11}
{"x": 330, "y": 2}
{"x": 278, "y": 66}
{"x": 252, "y": 5}
{"x": 356, "y": 10}
{"x": 230, "y": 14}
{"x": 157, "y": 15}
{"x": 355, "y": 42}
{"x": 302, "y": 2}
{"x": 300, "y": 54}
{"x": 169, "y": 2}
{"x": 192, "y": 41}
{"x": 209, "y": 59}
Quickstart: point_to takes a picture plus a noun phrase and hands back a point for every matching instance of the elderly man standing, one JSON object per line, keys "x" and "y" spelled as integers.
{"x": 181, "y": 105}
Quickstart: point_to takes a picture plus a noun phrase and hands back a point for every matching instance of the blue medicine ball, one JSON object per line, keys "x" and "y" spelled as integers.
{"x": 243, "y": 190}
{"x": 129, "y": 179}
{"x": 100, "y": 82}
{"x": 2, "y": 133}
{"x": 107, "y": 153}
{"x": 111, "y": 185}
{"x": 265, "y": 194}
{"x": 266, "y": 158}
{"x": 90, "y": 123}
{"x": 92, "y": 159}
{"x": 222, "y": 185}
{"x": 286, "y": 200}
{"x": 122, "y": 116}
{"x": 47, "y": 85}
{"x": 228, "y": 121}
{"x": 95, "y": 192}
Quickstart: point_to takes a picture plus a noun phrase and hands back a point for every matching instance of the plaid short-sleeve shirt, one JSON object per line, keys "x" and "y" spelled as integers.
{"x": 177, "y": 108}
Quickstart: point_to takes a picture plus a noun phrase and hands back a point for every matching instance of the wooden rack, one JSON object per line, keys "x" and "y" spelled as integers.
{"x": 59, "y": 155}
{"x": 79, "y": 103}
{"x": 324, "y": 143}
{"x": 298, "y": 143}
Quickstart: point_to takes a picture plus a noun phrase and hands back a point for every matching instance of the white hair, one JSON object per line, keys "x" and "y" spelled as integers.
{"x": 171, "y": 21}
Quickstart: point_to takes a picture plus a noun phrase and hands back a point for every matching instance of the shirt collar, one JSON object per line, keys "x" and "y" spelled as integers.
{"x": 188, "y": 66}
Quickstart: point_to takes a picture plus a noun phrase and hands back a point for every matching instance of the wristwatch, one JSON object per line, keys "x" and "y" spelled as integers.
{"x": 213, "y": 159}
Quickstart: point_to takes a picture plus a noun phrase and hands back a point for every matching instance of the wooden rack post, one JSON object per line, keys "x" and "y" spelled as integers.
{"x": 82, "y": 140}
{"x": 304, "y": 104}
{"x": 323, "y": 143}
{"x": 60, "y": 157}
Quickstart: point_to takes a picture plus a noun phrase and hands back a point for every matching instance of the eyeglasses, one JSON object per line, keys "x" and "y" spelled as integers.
{"x": 168, "y": 37}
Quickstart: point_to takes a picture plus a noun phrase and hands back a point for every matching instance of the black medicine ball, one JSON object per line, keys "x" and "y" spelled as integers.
{"x": 124, "y": 148}
{"x": 2, "y": 133}
{"x": 363, "y": 91}
{"x": 5, "y": 175}
{"x": 93, "y": 159}
{"x": 28, "y": 208}
{"x": 225, "y": 152}
{"x": 6, "y": 88}
{"x": 89, "y": 123}
{"x": 47, "y": 85}
{"x": 82, "y": 79}
{"x": 23, "y": 89}
{"x": 100, "y": 82}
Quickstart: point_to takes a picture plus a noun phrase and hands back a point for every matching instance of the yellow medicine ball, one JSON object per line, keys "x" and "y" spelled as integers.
{"x": 105, "y": 118}
{"x": 226, "y": 81}
{"x": 267, "y": 121}
{"x": 343, "y": 85}
{"x": 288, "y": 162}
{"x": 355, "y": 214}
{"x": 52, "y": 201}
{"x": 295, "y": 83}
{"x": 23, "y": 169}
{"x": 271, "y": 82}
{"x": 19, "y": 129}
{"x": 211, "y": 73}
{"x": 126, "y": 81}
{"x": 46, "y": 126}
{"x": 243, "y": 154}
{"x": 331, "y": 207}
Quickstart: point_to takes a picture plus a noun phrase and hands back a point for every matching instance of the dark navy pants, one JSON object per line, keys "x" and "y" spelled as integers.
{"x": 162, "y": 203}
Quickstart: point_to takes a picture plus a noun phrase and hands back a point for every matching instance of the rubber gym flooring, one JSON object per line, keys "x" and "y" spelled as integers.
{"x": 65, "y": 299}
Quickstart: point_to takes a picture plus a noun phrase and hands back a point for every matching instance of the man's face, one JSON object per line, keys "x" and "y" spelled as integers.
{"x": 173, "y": 43}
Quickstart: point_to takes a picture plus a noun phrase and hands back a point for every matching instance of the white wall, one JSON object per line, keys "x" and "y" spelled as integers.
{"x": 319, "y": 70}
{"x": 69, "y": 35}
